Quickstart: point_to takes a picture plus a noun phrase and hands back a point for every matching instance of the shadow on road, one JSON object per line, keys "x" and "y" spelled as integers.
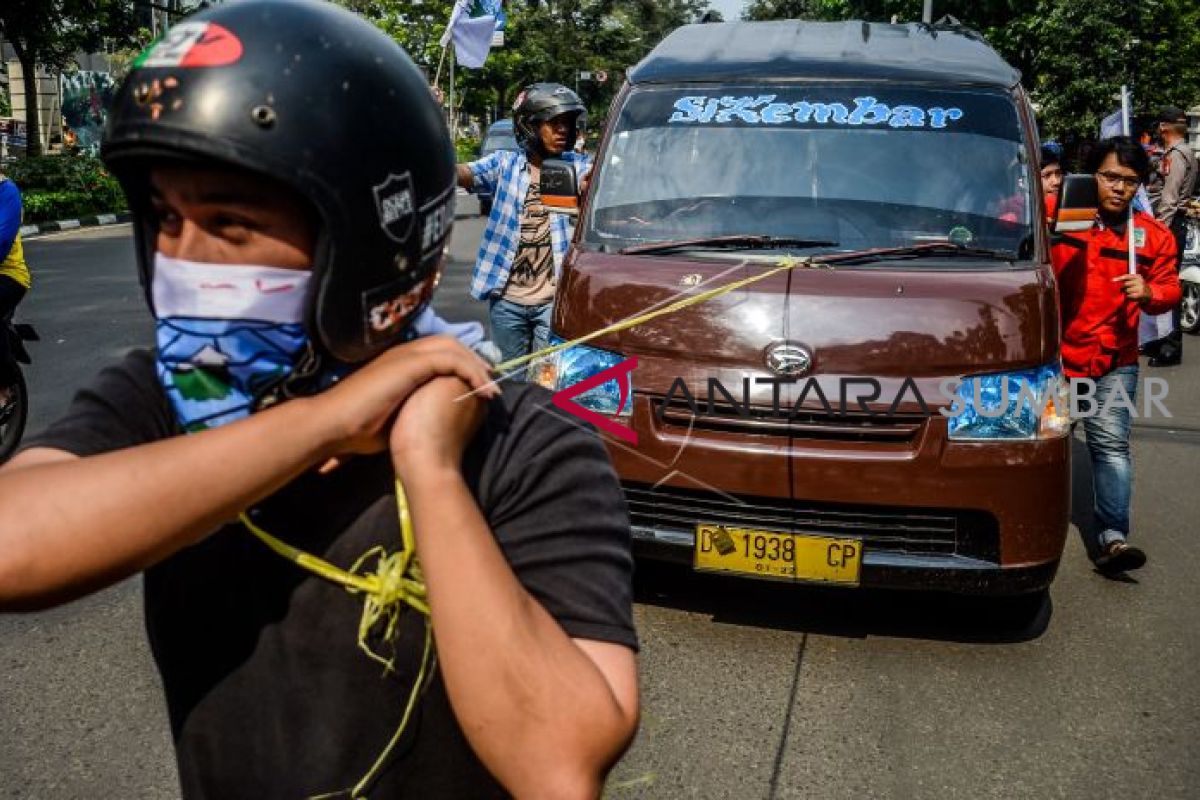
{"x": 852, "y": 613}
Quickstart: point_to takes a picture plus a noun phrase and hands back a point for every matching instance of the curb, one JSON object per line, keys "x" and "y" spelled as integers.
{"x": 70, "y": 224}
{"x": 114, "y": 219}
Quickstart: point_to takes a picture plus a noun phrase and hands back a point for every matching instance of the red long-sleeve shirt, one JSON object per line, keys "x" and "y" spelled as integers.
{"x": 1100, "y": 325}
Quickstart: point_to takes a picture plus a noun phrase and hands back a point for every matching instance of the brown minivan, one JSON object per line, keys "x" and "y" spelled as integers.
{"x": 859, "y": 419}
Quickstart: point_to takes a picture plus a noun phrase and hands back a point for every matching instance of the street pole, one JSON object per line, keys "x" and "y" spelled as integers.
{"x": 927, "y": 13}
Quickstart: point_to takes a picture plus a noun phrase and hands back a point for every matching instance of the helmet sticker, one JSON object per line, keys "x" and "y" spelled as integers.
{"x": 158, "y": 95}
{"x": 437, "y": 217}
{"x": 395, "y": 206}
{"x": 389, "y": 308}
{"x": 193, "y": 44}
{"x": 520, "y": 99}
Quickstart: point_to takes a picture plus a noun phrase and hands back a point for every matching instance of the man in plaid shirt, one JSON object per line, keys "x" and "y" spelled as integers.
{"x": 522, "y": 249}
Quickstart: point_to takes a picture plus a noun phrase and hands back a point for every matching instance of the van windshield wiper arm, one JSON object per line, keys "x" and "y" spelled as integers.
{"x": 734, "y": 242}
{"x": 929, "y": 250}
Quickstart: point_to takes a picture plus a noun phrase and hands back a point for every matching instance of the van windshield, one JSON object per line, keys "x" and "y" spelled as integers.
{"x": 500, "y": 140}
{"x": 860, "y": 166}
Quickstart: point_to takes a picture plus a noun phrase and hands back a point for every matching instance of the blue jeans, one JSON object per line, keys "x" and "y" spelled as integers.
{"x": 1108, "y": 443}
{"x": 519, "y": 330}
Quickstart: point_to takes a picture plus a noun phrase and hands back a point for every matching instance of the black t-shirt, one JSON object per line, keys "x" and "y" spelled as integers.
{"x": 267, "y": 691}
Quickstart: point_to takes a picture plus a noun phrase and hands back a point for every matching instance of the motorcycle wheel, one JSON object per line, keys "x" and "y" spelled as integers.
{"x": 1189, "y": 312}
{"x": 13, "y": 418}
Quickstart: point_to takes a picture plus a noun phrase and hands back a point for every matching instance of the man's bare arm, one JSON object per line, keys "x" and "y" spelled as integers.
{"x": 547, "y": 715}
{"x": 466, "y": 178}
{"x": 70, "y": 525}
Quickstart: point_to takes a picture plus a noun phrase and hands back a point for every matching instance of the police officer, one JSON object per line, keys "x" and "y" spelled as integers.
{"x": 1171, "y": 185}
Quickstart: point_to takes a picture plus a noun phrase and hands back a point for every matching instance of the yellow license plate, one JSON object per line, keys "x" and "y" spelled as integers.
{"x": 770, "y": 554}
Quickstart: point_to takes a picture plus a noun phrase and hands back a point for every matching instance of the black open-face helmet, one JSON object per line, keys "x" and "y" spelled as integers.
{"x": 540, "y": 102}
{"x": 312, "y": 96}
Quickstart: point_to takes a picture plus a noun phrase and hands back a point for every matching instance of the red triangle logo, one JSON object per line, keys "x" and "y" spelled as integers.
{"x": 564, "y": 399}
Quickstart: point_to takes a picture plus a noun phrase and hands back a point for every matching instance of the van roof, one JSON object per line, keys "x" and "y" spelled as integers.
{"x": 797, "y": 49}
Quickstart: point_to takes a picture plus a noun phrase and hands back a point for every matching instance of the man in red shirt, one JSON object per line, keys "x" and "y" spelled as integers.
{"x": 1101, "y": 303}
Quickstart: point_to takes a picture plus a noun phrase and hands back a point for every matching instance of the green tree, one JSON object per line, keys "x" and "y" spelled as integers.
{"x": 1073, "y": 56}
{"x": 50, "y": 32}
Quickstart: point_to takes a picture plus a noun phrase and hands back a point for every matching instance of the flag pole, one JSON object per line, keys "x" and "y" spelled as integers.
{"x": 1127, "y": 130}
{"x": 437, "y": 75}
{"x": 453, "y": 119}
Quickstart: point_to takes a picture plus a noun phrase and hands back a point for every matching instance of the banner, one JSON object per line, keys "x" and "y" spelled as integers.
{"x": 85, "y": 99}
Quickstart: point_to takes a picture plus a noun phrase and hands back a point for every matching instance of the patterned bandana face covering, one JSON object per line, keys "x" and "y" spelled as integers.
{"x": 225, "y": 334}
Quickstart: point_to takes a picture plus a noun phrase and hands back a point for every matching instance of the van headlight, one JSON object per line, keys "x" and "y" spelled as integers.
{"x": 568, "y": 367}
{"x": 1029, "y": 404}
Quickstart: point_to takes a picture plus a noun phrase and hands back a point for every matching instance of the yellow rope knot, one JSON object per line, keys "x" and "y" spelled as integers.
{"x": 395, "y": 582}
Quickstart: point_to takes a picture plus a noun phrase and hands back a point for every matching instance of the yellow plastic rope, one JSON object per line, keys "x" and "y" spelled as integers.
{"x": 397, "y": 581}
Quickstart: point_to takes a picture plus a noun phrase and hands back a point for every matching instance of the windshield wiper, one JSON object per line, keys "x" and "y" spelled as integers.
{"x": 734, "y": 242}
{"x": 929, "y": 250}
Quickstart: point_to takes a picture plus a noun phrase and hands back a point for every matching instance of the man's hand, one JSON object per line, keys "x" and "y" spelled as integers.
{"x": 585, "y": 182}
{"x": 1135, "y": 288}
{"x": 434, "y": 425}
{"x": 361, "y": 408}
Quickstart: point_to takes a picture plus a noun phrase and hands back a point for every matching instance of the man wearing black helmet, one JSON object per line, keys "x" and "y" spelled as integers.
{"x": 523, "y": 244}
{"x": 292, "y": 182}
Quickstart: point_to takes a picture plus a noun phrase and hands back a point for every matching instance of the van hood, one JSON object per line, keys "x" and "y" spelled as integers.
{"x": 926, "y": 323}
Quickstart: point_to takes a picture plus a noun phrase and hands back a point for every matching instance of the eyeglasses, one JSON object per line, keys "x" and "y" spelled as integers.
{"x": 1114, "y": 180}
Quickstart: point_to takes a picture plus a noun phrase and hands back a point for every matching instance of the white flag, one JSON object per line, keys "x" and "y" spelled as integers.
{"x": 1110, "y": 126}
{"x": 472, "y": 36}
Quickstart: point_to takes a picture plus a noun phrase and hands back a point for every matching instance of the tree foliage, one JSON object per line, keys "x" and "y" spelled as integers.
{"x": 1073, "y": 55}
{"x": 49, "y": 33}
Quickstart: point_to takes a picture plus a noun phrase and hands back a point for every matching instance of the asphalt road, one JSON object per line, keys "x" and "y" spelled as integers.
{"x": 749, "y": 690}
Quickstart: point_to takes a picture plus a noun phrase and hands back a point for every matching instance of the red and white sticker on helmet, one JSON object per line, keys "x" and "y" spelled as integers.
{"x": 193, "y": 44}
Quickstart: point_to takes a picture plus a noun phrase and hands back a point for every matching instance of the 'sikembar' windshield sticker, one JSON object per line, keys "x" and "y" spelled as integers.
{"x": 766, "y": 109}
{"x": 872, "y": 110}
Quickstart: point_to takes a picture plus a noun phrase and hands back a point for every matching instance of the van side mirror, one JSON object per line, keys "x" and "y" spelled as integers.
{"x": 1078, "y": 203}
{"x": 559, "y": 187}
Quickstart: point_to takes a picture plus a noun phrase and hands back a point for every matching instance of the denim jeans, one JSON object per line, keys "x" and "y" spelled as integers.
{"x": 1108, "y": 443}
{"x": 519, "y": 330}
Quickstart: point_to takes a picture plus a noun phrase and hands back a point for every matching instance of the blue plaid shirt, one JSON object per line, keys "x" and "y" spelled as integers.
{"x": 505, "y": 174}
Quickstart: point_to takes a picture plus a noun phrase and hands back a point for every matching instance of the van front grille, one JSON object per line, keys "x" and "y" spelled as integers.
{"x": 852, "y": 426}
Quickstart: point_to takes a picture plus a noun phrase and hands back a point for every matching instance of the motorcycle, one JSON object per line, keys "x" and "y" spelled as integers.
{"x": 14, "y": 410}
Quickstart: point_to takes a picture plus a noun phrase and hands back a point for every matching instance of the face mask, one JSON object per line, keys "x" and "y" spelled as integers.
{"x": 226, "y": 334}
